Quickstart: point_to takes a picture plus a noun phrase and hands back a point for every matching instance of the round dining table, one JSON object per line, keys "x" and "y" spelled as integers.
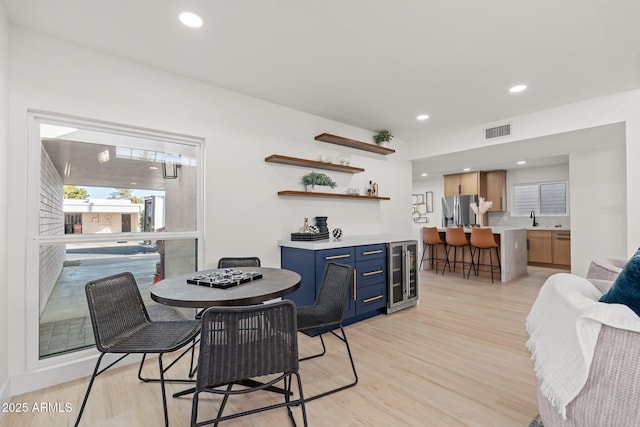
{"x": 176, "y": 292}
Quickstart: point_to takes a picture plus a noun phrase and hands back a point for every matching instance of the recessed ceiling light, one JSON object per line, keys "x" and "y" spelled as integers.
{"x": 466, "y": 169}
{"x": 423, "y": 117}
{"x": 190, "y": 20}
{"x": 133, "y": 183}
{"x": 522, "y": 162}
{"x": 425, "y": 174}
{"x": 155, "y": 168}
{"x": 517, "y": 88}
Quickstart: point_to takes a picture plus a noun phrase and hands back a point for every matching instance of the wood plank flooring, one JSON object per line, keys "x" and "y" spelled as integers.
{"x": 457, "y": 359}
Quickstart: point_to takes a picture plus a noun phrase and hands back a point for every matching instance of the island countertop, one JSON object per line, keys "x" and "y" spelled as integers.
{"x": 357, "y": 240}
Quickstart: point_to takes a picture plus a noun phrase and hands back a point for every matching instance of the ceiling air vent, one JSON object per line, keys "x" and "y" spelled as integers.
{"x": 497, "y": 131}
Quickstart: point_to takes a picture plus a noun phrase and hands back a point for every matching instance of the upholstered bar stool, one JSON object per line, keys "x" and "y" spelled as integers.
{"x": 431, "y": 239}
{"x": 483, "y": 239}
{"x": 455, "y": 238}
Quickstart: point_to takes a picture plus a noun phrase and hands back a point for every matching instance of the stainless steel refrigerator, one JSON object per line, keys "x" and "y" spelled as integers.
{"x": 456, "y": 210}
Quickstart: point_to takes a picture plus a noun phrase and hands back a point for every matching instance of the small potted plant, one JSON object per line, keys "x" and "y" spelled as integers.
{"x": 320, "y": 182}
{"x": 383, "y": 137}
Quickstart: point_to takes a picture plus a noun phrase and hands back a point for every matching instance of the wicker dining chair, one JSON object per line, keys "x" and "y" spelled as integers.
{"x": 122, "y": 325}
{"x": 325, "y": 315}
{"x": 233, "y": 262}
{"x": 244, "y": 342}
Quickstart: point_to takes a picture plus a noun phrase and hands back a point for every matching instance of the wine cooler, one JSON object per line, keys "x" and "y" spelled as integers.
{"x": 403, "y": 275}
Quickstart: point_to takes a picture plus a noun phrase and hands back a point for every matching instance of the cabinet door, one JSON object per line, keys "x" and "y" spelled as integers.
{"x": 412, "y": 269}
{"x": 470, "y": 183}
{"x": 396, "y": 277}
{"x": 496, "y": 182}
{"x": 452, "y": 185}
{"x": 539, "y": 246}
{"x": 562, "y": 247}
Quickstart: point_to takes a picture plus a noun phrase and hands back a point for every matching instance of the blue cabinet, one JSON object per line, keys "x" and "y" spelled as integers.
{"x": 368, "y": 291}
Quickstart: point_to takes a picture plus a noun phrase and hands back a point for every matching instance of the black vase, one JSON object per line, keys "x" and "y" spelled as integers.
{"x": 321, "y": 223}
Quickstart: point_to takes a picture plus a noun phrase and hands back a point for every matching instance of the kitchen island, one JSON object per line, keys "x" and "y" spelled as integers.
{"x": 512, "y": 242}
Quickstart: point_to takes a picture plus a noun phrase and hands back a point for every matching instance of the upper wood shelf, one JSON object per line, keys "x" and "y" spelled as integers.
{"x": 276, "y": 158}
{"x": 335, "y": 195}
{"x": 346, "y": 142}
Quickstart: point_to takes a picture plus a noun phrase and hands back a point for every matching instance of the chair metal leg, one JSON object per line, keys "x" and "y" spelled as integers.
{"x": 424, "y": 247}
{"x": 343, "y": 338}
{"x": 164, "y": 392}
{"x": 86, "y": 395}
{"x": 192, "y": 369}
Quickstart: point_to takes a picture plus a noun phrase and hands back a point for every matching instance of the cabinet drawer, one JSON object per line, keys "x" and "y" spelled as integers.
{"x": 341, "y": 255}
{"x": 371, "y": 298}
{"x": 370, "y": 272}
{"x": 371, "y": 252}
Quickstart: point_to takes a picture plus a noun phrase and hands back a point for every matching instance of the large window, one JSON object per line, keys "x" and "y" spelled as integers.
{"x": 549, "y": 198}
{"x": 107, "y": 199}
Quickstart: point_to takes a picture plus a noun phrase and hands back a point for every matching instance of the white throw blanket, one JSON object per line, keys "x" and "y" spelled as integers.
{"x": 563, "y": 326}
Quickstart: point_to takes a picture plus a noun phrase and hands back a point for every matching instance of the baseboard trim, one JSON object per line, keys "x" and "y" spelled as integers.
{"x": 5, "y": 395}
{"x": 40, "y": 378}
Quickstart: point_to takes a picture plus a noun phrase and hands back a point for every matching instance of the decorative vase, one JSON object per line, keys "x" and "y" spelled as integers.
{"x": 481, "y": 220}
{"x": 321, "y": 223}
{"x": 314, "y": 188}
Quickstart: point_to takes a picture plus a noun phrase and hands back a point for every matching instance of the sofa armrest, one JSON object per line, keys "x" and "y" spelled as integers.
{"x": 605, "y": 268}
{"x": 611, "y": 395}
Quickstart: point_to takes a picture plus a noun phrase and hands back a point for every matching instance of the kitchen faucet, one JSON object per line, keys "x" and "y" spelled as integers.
{"x": 533, "y": 215}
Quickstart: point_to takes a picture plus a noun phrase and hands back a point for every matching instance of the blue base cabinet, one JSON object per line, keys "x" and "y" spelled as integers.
{"x": 368, "y": 291}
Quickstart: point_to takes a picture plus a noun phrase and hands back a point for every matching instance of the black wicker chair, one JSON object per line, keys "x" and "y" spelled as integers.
{"x": 121, "y": 324}
{"x": 229, "y": 262}
{"x": 327, "y": 312}
{"x": 246, "y": 342}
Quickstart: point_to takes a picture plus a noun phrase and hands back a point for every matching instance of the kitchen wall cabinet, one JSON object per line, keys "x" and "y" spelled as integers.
{"x": 462, "y": 183}
{"x": 495, "y": 183}
{"x": 549, "y": 247}
{"x": 492, "y": 185}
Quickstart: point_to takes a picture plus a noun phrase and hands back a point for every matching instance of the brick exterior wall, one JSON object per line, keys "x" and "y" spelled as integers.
{"x": 52, "y": 256}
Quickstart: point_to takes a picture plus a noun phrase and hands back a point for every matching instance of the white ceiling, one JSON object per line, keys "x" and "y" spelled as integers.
{"x": 371, "y": 63}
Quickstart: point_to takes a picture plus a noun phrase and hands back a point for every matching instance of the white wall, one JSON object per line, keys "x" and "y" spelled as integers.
{"x": 598, "y": 192}
{"x": 244, "y": 215}
{"x": 586, "y": 222}
{"x": 4, "y": 160}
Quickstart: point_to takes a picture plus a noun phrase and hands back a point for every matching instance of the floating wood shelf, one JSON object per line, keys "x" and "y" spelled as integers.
{"x": 276, "y": 158}
{"x": 346, "y": 142}
{"x": 334, "y": 195}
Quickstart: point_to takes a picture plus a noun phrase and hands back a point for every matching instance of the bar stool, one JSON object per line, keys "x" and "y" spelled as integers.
{"x": 431, "y": 238}
{"x": 483, "y": 239}
{"x": 455, "y": 238}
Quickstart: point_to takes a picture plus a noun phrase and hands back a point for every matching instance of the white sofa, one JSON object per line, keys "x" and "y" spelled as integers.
{"x": 610, "y": 397}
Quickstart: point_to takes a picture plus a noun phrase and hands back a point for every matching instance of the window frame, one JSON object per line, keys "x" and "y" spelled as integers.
{"x": 538, "y": 189}
{"x": 32, "y": 289}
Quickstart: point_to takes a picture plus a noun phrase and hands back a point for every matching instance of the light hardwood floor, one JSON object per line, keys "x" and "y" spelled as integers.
{"x": 457, "y": 359}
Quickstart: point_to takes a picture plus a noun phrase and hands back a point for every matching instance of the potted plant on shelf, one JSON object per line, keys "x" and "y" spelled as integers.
{"x": 318, "y": 182}
{"x": 383, "y": 137}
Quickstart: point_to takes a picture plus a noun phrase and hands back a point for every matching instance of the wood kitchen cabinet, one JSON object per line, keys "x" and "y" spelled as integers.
{"x": 495, "y": 183}
{"x": 561, "y": 247}
{"x": 549, "y": 248}
{"x": 462, "y": 183}
{"x": 539, "y": 246}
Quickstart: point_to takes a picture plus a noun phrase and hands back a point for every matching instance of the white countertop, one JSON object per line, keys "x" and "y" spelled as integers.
{"x": 347, "y": 241}
{"x": 497, "y": 229}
